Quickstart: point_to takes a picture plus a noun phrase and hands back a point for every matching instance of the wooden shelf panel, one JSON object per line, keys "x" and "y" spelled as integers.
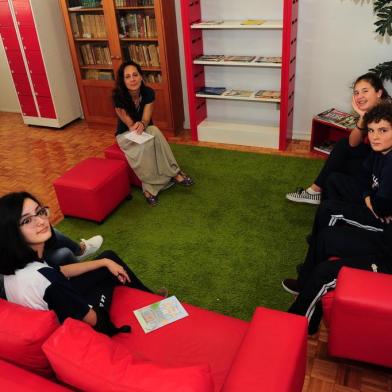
{"x": 239, "y": 64}
{"x": 136, "y": 8}
{"x": 96, "y": 66}
{"x": 237, "y": 98}
{"x": 236, "y": 24}
{"x": 91, "y": 39}
{"x": 134, "y": 39}
{"x": 95, "y": 9}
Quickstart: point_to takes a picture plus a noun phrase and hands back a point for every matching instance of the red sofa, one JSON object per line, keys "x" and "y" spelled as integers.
{"x": 206, "y": 351}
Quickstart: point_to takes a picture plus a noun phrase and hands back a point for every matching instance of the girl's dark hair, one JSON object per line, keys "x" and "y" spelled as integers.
{"x": 121, "y": 96}
{"x": 15, "y": 253}
{"x": 375, "y": 82}
{"x": 382, "y": 111}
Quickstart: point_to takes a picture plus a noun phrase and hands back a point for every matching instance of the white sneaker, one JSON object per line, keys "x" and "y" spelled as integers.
{"x": 91, "y": 246}
{"x": 303, "y": 196}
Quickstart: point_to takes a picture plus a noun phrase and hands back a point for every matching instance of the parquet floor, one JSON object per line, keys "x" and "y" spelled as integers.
{"x": 32, "y": 157}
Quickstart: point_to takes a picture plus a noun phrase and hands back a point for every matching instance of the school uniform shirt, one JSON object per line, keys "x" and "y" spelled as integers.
{"x": 41, "y": 286}
{"x": 147, "y": 95}
{"x": 379, "y": 168}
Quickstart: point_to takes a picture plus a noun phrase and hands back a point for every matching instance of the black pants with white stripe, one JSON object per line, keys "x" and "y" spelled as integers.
{"x": 322, "y": 280}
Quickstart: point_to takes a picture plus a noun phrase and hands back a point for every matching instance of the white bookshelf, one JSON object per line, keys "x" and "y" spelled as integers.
{"x": 237, "y": 98}
{"x": 238, "y": 64}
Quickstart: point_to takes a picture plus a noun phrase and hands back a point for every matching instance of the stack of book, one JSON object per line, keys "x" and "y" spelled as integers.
{"x": 88, "y": 25}
{"x": 98, "y": 74}
{"x": 133, "y": 3}
{"x": 325, "y": 147}
{"x": 338, "y": 118}
{"x": 215, "y": 58}
{"x": 136, "y": 25}
{"x": 94, "y": 54}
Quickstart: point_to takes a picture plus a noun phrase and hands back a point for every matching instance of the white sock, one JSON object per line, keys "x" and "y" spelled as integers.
{"x": 312, "y": 192}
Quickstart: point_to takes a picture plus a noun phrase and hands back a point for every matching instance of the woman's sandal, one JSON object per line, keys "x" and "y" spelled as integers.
{"x": 151, "y": 199}
{"x": 187, "y": 181}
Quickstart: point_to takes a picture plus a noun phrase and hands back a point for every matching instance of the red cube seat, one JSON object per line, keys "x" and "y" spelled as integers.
{"x": 115, "y": 152}
{"x": 93, "y": 188}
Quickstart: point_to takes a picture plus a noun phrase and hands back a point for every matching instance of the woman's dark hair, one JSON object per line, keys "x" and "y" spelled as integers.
{"x": 382, "y": 111}
{"x": 15, "y": 253}
{"x": 375, "y": 82}
{"x": 121, "y": 96}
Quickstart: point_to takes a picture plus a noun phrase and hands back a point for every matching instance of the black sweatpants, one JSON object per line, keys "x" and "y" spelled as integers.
{"x": 343, "y": 159}
{"x": 73, "y": 297}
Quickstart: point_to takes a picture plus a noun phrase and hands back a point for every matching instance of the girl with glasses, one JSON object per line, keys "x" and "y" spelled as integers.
{"x": 79, "y": 290}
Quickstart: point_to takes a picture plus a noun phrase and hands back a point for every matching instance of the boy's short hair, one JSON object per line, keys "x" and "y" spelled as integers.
{"x": 382, "y": 111}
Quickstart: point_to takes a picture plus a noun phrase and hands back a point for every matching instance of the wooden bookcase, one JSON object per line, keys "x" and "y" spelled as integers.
{"x": 104, "y": 33}
{"x": 209, "y": 122}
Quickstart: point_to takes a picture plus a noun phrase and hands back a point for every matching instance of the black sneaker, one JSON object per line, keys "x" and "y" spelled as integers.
{"x": 291, "y": 286}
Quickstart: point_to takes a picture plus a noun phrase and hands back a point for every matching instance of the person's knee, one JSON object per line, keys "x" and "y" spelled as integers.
{"x": 153, "y": 130}
{"x": 61, "y": 256}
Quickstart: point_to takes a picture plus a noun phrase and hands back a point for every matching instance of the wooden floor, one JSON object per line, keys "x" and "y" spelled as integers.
{"x": 32, "y": 157}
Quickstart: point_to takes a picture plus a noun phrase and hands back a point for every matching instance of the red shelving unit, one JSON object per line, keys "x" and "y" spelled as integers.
{"x": 228, "y": 132}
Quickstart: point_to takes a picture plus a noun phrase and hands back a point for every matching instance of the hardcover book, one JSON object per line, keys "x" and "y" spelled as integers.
{"x": 238, "y": 93}
{"x": 339, "y": 118}
{"x": 160, "y": 313}
{"x": 265, "y": 59}
{"x": 242, "y": 59}
{"x": 212, "y": 90}
{"x": 267, "y": 94}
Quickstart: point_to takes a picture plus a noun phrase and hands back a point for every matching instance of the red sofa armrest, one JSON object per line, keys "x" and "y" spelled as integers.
{"x": 361, "y": 317}
{"x": 272, "y": 356}
{"x": 15, "y": 379}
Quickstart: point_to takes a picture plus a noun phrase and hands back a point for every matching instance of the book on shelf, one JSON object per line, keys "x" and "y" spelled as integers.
{"x": 136, "y": 25}
{"x": 252, "y": 22}
{"x": 270, "y": 59}
{"x": 211, "y": 22}
{"x": 267, "y": 94}
{"x": 212, "y": 90}
{"x": 211, "y": 57}
{"x": 238, "y": 93}
{"x": 338, "y": 118}
{"x": 94, "y": 54}
{"x": 133, "y": 3}
{"x": 88, "y": 25}
{"x": 146, "y": 55}
{"x": 160, "y": 313}
{"x": 325, "y": 147}
{"x": 240, "y": 59}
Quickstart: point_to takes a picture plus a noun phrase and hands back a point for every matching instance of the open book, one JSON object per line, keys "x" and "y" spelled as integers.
{"x": 160, "y": 313}
{"x": 139, "y": 139}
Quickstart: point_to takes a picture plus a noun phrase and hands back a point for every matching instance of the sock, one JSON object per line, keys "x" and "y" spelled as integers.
{"x": 312, "y": 192}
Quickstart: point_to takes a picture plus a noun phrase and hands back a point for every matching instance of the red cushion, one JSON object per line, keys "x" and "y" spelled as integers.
{"x": 22, "y": 333}
{"x": 91, "y": 361}
{"x": 203, "y": 337}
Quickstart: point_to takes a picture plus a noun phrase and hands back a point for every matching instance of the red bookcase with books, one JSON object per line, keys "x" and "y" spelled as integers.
{"x": 283, "y": 60}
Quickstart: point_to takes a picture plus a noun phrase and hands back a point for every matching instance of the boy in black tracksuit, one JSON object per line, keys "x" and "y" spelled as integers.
{"x": 353, "y": 224}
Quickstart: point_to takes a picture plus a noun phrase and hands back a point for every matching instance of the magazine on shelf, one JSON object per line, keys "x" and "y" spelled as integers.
{"x": 271, "y": 59}
{"x": 238, "y": 93}
{"x": 267, "y": 94}
{"x": 241, "y": 59}
{"x": 339, "y": 118}
{"x": 252, "y": 22}
{"x": 211, "y": 57}
{"x": 325, "y": 147}
{"x": 210, "y": 22}
{"x": 159, "y": 314}
{"x": 138, "y": 138}
{"x": 212, "y": 90}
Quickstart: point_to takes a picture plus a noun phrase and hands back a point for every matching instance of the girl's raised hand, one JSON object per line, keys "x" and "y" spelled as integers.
{"x": 356, "y": 108}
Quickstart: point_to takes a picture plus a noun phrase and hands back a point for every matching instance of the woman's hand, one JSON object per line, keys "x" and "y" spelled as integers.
{"x": 357, "y": 109}
{"x": 138, "y": 127}
{"x": 117, "y": 270}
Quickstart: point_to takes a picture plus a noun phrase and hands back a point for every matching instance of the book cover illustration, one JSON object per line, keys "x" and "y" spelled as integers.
{"x": 242, "y": 59}
{"x": 339, "y": 118}
{"x": 159, "y": 314}
{"x": 238, "y": 93}
{"x": 270, "y": 59}
{"x": 212, "y": 90}
{"x": 267, "y": 94}
{"x": 252, "y": 22}
{"x": 211, "y": 57}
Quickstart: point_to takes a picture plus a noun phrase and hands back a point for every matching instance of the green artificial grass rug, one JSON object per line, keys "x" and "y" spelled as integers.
{"x": 223, "y": 244}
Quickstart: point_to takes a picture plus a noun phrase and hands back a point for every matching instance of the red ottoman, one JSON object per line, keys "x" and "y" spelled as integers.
{"x": 115, "y": 152}
{"x": 92, "y": 188}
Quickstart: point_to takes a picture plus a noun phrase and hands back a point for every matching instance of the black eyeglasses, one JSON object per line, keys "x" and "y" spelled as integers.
{"x": 31, "y": 220}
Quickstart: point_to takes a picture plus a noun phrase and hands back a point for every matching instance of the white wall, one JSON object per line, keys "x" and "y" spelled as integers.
{"x": 336, "y": 43}
{"x": 8, "y": 97}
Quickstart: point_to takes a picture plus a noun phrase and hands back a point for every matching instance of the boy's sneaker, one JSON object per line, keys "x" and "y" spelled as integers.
{"x": 303, "y": 196}
{"x": 91, "y": 246}
{"x": 291, "y": 286}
